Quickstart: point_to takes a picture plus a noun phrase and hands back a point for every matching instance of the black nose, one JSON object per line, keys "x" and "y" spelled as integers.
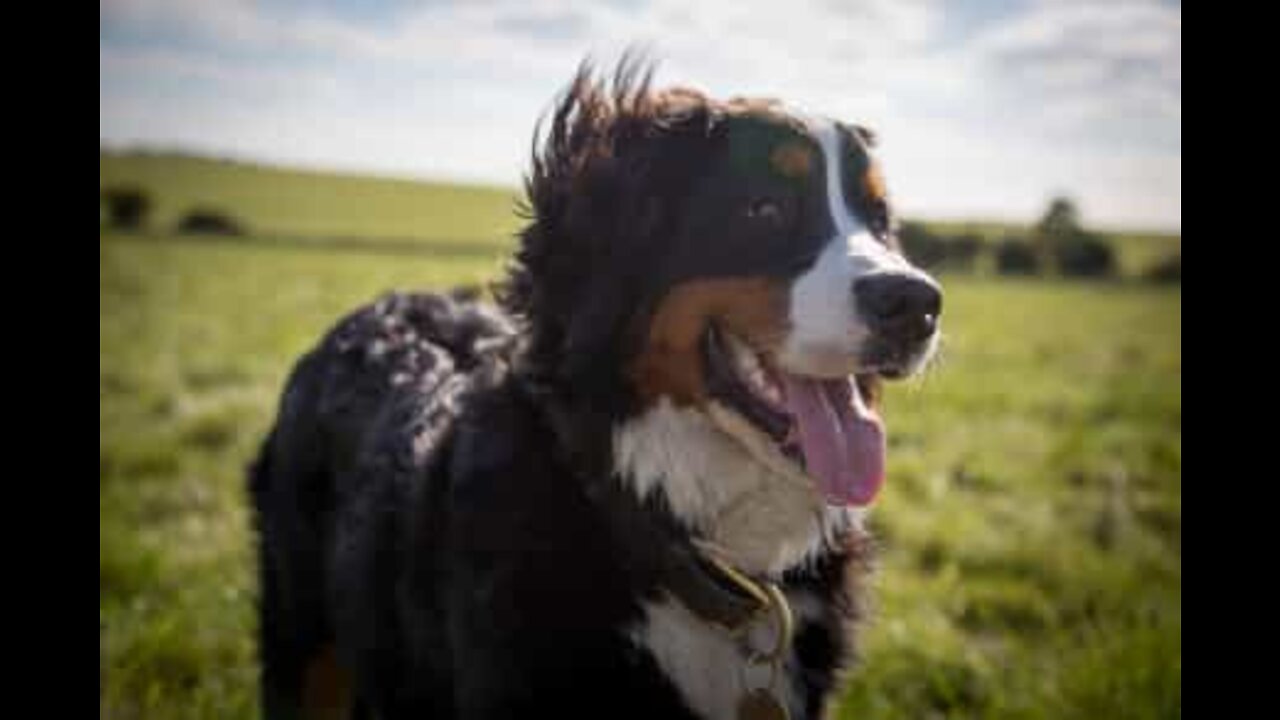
{"x": 903, "y": 306}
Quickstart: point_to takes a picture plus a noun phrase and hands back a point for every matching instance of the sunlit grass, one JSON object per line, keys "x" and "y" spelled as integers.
{"x": 1031, "y": 526}
{"x": 275, "y": 201}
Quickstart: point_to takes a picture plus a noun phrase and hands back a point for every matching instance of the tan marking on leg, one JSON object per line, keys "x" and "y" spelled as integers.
{"x": 326, "y": 687}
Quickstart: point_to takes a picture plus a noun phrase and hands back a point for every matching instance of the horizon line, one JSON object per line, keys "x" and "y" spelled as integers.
{"x": 371, "y": 172}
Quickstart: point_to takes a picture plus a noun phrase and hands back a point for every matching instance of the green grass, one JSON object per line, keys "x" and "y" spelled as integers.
{"x": 195, "y": 341}
{"x": 1031, "y": 527}
{"x": 275, "y": 201}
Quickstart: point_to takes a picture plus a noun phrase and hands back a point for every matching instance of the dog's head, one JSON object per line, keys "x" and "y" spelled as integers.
{"x": 733, "y": 259}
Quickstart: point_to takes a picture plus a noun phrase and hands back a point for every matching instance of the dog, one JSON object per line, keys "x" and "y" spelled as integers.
{"x": 636, "y": 486}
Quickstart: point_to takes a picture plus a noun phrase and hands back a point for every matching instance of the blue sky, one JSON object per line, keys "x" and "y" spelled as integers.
{"x": 985, "y": 109}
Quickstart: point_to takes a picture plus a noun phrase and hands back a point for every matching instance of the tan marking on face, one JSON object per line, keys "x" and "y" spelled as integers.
{"x": 873, "y": 181}
{"x": 326, "y": 687}
{"x": 792, "y": 159}
{"x": 671, "y": 363}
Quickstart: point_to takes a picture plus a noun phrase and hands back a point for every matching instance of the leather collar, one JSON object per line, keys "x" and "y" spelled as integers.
{"x": 654, "y": 545}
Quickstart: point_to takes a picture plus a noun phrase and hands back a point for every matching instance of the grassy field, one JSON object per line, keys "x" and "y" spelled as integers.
{"x": 1031, "y": 526}
{"x": 316, "y": 206}
{"x": 296, "y": 203}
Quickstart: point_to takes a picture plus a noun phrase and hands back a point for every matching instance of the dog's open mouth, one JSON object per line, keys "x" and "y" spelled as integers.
{"x": 823, "y": 425}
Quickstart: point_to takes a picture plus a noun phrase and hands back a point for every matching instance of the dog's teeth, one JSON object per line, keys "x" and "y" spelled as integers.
{"x": 751, "y": 370}
{"x": 763, "y": 385}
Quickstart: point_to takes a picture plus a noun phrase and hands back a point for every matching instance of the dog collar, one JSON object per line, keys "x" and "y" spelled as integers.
{"x": 661, "y": 553}
{"x": 694, "y": 573}
{"x": 760, "y": 702}
{"x": 721, "y": 594}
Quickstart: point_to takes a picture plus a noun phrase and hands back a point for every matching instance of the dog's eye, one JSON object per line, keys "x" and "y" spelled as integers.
{"x": 764, "y": 209}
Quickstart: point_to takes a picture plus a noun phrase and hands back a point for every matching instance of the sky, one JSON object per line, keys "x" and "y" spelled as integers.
{"x": 985, "y": 109}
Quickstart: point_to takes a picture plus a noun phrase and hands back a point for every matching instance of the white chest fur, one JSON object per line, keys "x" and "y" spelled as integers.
{"x": 707, "y": 665}
{"x": 725, "y": 483}
{"x": 726, "y": 487}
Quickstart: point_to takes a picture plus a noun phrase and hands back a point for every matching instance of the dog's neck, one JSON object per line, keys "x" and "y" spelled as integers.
{"x": 683, "y": 467}
{"x": 759, "y": 519}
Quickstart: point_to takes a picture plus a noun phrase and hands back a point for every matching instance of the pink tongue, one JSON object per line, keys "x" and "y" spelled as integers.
{"x": 842, "y": 439}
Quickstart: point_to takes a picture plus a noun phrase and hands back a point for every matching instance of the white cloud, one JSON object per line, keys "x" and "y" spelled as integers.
{"x": 1090, "y": 61}
{"x": 1072, "y": 96}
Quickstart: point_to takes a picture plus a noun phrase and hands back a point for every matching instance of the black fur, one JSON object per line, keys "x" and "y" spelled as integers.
{"x": 434, "y": 499}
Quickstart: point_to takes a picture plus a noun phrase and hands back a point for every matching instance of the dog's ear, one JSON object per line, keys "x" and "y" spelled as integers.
{"x": 628, "y": 208}
{"x": 605, "y": 178}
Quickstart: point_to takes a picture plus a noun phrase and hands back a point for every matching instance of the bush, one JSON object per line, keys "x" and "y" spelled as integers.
{"x": 962, "y": 251}
{"x": 923, "y": 247}
{"x": 1167, "y": 271}
{"x": 1084, "y": 255}
{"x": 938, "y": 252}
{"x": 205, "y": 221}
{"x": 127, "y": 207}
{"x": 1015, "y": 256}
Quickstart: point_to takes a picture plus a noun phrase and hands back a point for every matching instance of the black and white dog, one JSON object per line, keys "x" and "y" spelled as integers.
{"x": 633, "y": 491}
